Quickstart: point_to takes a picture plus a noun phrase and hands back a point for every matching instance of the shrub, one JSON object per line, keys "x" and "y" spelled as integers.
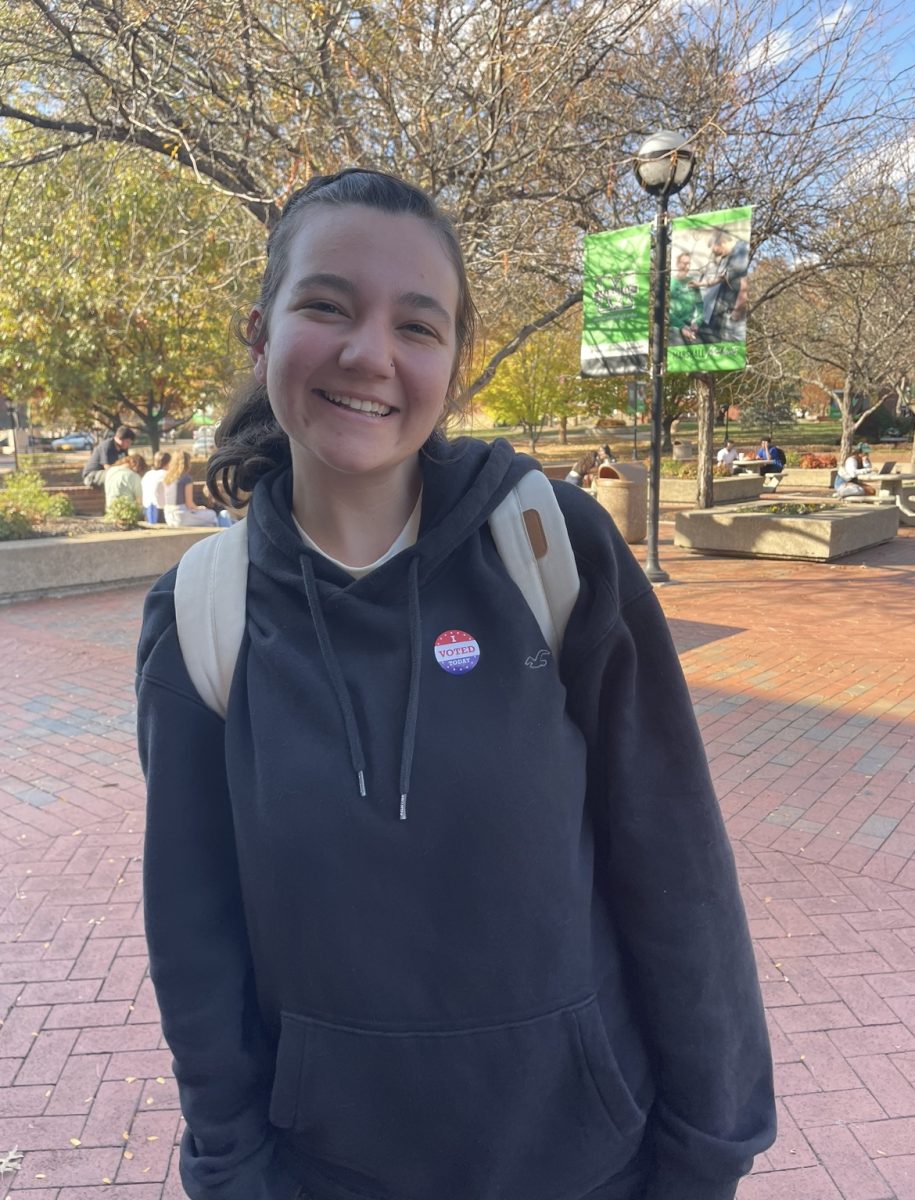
{"x": 25, "y": 502}
{"x": 817, "y": 461}
{"x": 124, "y": 513}
{"x": 674, "y": 468}
{"x": 14, "y": 526}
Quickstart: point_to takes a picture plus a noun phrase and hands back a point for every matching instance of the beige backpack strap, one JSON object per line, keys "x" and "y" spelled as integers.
{"x": 532, "y": 539}
{"x": 210, "y": 592}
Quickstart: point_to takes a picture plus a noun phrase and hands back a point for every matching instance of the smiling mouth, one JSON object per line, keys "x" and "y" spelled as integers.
{"x": 371, "y": 408}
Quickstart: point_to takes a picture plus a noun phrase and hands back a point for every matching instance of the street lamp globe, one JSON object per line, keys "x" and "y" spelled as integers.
{"x": 664, "y": 163}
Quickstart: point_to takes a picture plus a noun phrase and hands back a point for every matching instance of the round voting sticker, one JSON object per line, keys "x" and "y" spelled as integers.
{"x": 456, "y": 652}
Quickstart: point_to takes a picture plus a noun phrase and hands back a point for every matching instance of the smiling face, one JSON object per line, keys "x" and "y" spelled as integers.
{"x": 359, "y": 347}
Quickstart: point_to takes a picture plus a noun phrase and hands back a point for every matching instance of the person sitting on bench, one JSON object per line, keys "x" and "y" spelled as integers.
{"x": 774, "y": 457}
{"x": 105, "y": 454}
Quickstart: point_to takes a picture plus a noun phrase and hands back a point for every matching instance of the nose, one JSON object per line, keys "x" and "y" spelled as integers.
{"x": 368, "y": 349}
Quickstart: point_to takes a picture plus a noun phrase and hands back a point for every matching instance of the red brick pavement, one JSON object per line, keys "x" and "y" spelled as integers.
{"x": 804, "y": 680}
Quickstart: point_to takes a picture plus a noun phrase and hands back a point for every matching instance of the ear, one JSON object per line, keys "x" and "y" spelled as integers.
{"x": 256, "y": 337}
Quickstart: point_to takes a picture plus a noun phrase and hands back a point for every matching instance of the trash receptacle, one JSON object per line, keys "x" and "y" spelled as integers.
{"x": 684, "y": 451}
{"x": 622, "y": 489}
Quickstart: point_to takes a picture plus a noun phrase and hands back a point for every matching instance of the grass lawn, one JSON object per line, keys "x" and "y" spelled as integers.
{"x": 818, "y": 437}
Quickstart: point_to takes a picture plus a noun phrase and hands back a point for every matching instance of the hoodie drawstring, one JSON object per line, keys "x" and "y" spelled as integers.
{"x": 357, "y": 757}
{"x": 409, "y": 727}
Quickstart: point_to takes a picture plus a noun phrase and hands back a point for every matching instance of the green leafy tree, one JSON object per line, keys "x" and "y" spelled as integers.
{"x": 539, "y": 383}
{"x": 119, "y": 281}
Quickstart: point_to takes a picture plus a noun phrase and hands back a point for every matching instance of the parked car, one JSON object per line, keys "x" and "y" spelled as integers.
{"x": 73, "y": 441}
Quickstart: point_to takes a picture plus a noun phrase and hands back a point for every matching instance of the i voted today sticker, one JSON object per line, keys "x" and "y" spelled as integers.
{"x": 456, "y": 651}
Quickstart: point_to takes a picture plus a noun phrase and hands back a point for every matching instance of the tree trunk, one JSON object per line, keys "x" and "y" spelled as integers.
{"x": 848, "y": 421}
{"x": 563, "y": 431}
{"x": 153, "y": 432}
{"x": 705, "y": 390}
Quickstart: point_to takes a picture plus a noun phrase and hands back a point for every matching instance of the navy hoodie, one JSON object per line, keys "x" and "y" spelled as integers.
{"x": 432, "y": 916}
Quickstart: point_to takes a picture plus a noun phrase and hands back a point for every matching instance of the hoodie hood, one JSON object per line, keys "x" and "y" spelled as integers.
{"x": 463, "y": 482}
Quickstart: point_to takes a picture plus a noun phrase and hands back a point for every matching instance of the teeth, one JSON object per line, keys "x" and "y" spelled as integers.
{"x": 366, "y": 406}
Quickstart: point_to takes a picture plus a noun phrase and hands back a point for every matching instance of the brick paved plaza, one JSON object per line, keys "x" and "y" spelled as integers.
{"x": 804, "y": 680}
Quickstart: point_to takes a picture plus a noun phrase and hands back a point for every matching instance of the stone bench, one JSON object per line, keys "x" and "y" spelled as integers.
{"x": 557, "y": 470}
{"x": 90, "y": 502}
{"x": 86, "y": 501}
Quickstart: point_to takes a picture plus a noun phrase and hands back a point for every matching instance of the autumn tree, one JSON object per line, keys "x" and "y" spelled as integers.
{"x": 118, "y": 286}
{"x": 521, "y": 118}
{"x": 851, "y": 319}
{"x": 539, "y": 383}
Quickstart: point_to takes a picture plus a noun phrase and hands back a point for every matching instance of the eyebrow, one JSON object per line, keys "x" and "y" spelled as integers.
{"x": 340, "y": 283}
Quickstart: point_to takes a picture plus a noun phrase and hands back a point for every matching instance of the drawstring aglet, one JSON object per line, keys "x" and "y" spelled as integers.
{"x": 361, "y": 778}
{"x": 403, "y": 807}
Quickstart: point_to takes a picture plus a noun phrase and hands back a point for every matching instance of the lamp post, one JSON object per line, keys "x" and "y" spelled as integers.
{"x": 663, "y": 165}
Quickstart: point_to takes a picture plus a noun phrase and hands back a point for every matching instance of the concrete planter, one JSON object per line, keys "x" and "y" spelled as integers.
{"x": 809, "y": 477}
{"x": 821, "y": 536}
{"x": 91, "y": 562}
{"x": 725, "y": 489}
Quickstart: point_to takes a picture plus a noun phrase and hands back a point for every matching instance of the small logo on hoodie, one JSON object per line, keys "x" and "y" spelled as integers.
{"x": 456, "y": 651}
{"x": 540, "y": 659}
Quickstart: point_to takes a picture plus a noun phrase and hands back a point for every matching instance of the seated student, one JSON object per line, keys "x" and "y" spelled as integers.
{"x": 775, "y": 458}
{"x": 581, "y": 473}
{"x": 105, "y": 453}
{"x": 124, "y": 478}
{"x": 181, "y": 511}
{"x": 153, "y": 489}
{"x": 848, "y": 482}
{"x": 728, "y": 455}
{"x": 606, "y": 454}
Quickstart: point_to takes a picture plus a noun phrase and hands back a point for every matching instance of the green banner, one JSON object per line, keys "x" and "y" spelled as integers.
{"x": 707, "y": 313}
{"x": 616, "y": 298}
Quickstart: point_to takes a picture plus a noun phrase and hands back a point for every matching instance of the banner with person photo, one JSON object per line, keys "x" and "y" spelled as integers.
{"x": 616, "y": 300}
{"x": 707, "y": 314}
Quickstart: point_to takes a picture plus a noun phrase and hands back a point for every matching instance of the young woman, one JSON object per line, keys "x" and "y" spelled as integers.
{"x": 154, "y": 488}
{"x": 181, "y": 510}
{"x": 420, "y": 933}
{"x": 125, "y": 478}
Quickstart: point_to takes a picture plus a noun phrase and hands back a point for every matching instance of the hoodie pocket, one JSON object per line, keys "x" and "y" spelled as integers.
{"x": 531, "y": 1110}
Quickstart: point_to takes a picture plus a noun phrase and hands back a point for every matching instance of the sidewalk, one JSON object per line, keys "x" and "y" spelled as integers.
{"x": 804, "y": 681}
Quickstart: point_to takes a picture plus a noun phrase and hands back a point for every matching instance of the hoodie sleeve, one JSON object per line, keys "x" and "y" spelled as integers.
{"x": 200, "y": 961}
{"x": 671, "y": 882}
{"x": 682, "y": 921}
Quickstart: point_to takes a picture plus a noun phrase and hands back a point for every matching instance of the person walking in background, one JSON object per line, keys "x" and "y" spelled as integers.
{"x": 124, "y": 478}
{"x": 153, "y": 487}
{"x": 105, "y": 454}
{"x": 432, "y": 914}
